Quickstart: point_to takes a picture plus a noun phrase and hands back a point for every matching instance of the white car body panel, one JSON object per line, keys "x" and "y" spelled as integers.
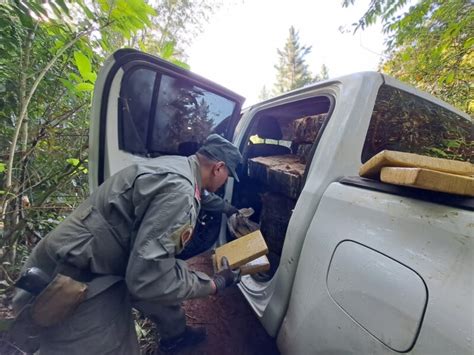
{"x": 428, "y": 238}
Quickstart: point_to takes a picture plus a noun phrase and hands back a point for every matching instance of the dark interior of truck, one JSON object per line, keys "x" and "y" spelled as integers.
{"x": 277, "y": 149}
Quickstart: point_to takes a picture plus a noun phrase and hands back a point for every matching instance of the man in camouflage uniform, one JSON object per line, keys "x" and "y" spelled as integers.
{"x": 122, "y": 242}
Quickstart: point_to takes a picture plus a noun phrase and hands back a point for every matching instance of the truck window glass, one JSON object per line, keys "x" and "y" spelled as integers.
{"x": 407, "y": 123}
{"x": 135, "y": 106}
{"x": 160, "y": 114}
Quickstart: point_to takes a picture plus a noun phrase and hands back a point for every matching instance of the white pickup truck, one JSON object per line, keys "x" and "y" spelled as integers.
{"x": 358, "y": 266}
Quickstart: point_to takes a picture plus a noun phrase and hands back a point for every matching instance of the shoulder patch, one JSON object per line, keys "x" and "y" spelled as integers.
{"x": 197, "y": 193}
{"x": 186, "y": 235}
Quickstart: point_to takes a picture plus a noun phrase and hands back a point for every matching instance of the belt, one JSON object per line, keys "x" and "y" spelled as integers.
{"x": 96, "y": 283}
{"x": 75, "y": 273}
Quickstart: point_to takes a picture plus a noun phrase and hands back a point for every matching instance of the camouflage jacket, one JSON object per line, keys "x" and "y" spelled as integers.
{"x": 133, "y": 226}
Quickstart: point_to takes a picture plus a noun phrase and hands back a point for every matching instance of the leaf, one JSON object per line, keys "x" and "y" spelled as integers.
{"x": 180, "y": 64}
{"x": 438, "y": 152}
{"x": 73, "y": 161}
{"x": 75, "y": 77}
{"x": 406, "y": 56}
{"x": 3, "y": 167}
{"x": 83, "y": 64}
{"x": 449, "y": 78}
{"x": 84, "y": 87}
{"x": 37, "y": 9}
{"x": 469, "y": 43}
{"x": 90, "y": 15}
{"x": 58, "y": 44}
{"x": 452, "y": 144}
{"x": 167, "y": 50}
{"x": 67, "y": 84}
{"x": 91, "y": 76}
{"x": 63, "y": 6}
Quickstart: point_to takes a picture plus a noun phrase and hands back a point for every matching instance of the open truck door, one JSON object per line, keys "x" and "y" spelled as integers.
{"x": 145, "y": 107}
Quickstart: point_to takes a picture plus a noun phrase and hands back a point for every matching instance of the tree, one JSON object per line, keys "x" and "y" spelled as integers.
{"x": 264, "y": 94}
{"x": 323, "y": 74}
{"x": 292, "y": 70}
{"x": 171, "y": 32}
{"x": 50, "y": 54}
{"x": 180, "y": 21}
{"x": 429, "y": 46}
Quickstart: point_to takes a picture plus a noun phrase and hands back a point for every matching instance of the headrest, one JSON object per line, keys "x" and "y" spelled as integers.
{"x": 268, "y": 128}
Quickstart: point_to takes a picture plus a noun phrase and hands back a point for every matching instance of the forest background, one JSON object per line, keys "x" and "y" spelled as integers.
{"x": 52, "y": 51}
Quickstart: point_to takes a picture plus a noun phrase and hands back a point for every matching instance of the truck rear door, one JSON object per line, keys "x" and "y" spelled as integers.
{"x": 144, "y": 107}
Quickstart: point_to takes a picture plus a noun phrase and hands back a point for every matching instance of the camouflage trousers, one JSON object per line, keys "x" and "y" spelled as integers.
{"x": 104, "y": 324}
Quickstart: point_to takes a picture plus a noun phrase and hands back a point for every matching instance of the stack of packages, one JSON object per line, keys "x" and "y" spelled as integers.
{"x": 283, "y": 176}
{"x": 419, "y": 171}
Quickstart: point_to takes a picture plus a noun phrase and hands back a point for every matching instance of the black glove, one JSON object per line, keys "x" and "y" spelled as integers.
{"x": 229, "y": 210}
{"x": 226, "y": 277}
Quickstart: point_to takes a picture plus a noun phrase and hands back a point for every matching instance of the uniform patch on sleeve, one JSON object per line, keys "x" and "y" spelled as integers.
{"x": 186, "y": 235}
{"x": 197, "y": 193}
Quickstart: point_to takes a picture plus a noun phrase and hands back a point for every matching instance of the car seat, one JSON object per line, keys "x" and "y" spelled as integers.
{"x": 267, "y": 128}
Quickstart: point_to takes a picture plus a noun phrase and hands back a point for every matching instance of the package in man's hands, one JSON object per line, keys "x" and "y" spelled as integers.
{"x": 248, "y": 253}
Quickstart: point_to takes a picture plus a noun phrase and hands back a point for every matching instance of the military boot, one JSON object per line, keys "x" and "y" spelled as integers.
{"x": 190, "y": 337}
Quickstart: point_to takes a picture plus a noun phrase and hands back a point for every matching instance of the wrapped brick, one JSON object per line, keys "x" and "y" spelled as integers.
{"x": 306, "y": 129}
{"x": 274, "y": 219}
{"x": 282, "y": 173}
{"x": 303, "y": 152}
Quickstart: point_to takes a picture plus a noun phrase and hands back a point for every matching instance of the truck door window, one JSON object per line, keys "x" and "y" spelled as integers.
{"x": 161, "y": 114}
{"x": 134, "y": 106}
{"x": 408, "y": 123}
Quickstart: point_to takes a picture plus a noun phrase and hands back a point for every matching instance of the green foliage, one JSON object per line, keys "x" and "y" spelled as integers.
{"x": 292, "y": 70}
{"x": 51, "y": 53}
{"x": 84, "y": 87}
{"x": 386, "y": 10}
{"x": 128, "y": 16}
{"x": 179, "y": 19}
{"x": 79, "y": 164}
{"x": 429, "y": 46}
{"x": 84, "y": 66}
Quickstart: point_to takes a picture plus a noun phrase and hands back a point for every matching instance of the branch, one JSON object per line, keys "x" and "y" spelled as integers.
{"x": 61, "y": 179}
{"x": 24, "y": 110}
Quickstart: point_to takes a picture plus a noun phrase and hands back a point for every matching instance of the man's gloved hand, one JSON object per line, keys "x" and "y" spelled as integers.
{"x": 240, "y": 224}
{"x": 229, "y": 210}
{"x": 226, "y": 277}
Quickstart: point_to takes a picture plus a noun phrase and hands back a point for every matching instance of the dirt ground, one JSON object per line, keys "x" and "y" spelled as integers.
{"x": 232, "y": 327}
